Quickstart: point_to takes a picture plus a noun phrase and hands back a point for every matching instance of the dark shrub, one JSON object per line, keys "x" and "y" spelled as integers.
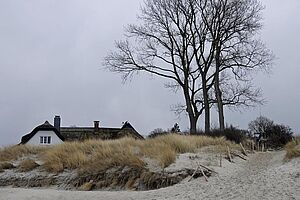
{"x": 234, "y": 134}
{"x": 230, "y": 133}
{"x": 275, "y": 135}
{"x": 158, "y": 132}
{"x": 278, "y": 135}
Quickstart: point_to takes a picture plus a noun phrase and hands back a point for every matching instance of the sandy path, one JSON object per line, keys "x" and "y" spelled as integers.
{"x": 262, "y": 176}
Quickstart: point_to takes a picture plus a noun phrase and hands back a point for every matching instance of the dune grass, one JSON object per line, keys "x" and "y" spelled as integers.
{"x": 93, "y": 156}
{"x": 293, "y": 148}
{"x": 14, "y": 152}
{"x": 6, "y": 165}
{"x": 27, "y": 165}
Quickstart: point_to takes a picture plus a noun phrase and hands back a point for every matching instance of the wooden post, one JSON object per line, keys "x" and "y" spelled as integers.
{"x": 228, "y": 154}
{"x": 243, "y": 149}
{"x": 220, "y": 159}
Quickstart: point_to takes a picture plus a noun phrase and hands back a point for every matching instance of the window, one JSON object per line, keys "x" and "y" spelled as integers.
{"x": 45, "y": 139}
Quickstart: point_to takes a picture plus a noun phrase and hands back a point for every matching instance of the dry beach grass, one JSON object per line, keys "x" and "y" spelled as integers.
{"x": 293, "y": 148}
{"x": 14, "y": 152}
{"x": 92, "y": 156}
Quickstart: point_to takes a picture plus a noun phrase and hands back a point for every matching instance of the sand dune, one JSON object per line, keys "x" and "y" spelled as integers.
{"x": 262, "y": 176}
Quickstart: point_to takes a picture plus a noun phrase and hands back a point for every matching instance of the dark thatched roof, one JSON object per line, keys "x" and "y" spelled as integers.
{"x": 44, "y": 127}
{"x": 83, "y": 133}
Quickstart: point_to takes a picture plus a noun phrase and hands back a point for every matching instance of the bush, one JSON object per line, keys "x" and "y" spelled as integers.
{"x": 231, "y": 133}
{"x": 276, "y": 135}
{"x": 158, "y": 132}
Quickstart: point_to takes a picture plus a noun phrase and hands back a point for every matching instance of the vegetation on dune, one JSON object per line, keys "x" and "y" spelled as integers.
{"x": 6, "y": 165}
{"x": 14, "y": 152}
{"x": 293, "y": 148}
{"x": 27, "y": 165}
{"x": 93, "y": 156}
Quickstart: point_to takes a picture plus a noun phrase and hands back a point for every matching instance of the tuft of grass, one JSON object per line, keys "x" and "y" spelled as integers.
{"x": 87, "y": 186}
{"x": 65, "y": 156}
{"x": 6, "y": 165}
{"x": 293, "y": 149}
{"x": 14, "y": 152}
{"x": 27, "y": 165}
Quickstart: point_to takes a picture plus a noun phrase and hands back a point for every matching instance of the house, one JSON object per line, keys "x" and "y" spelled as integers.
{"x": 46, "y": 134}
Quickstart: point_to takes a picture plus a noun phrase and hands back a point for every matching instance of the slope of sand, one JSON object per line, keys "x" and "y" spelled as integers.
{"x": 262, "y": 176}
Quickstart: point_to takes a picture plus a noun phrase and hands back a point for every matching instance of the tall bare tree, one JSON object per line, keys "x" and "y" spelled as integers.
{"x": 233, "y": 25}
{"x": 161, "y": 46}
{"x": 192, "y": 42}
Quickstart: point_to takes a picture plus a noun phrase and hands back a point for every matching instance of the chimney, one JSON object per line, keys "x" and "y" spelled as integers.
{"x": 57, "y": 122}
{"x": 96, "y": 126}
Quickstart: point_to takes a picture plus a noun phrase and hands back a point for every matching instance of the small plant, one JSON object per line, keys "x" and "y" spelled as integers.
{"x": 293, "y": 149}
{"x": 6, "y": 165}
{"x": 27, "y": 165}
{"x": 87, "y": 186}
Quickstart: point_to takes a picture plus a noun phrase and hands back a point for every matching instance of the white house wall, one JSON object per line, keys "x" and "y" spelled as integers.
{"x": 35, "y": 140}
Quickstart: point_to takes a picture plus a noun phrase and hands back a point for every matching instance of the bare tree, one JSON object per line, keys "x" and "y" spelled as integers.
{"x": 190, "y": 43}
{"x": 232, "y": 26}
{"x": 260, "y": 125}
{"x": 161, "y": 46}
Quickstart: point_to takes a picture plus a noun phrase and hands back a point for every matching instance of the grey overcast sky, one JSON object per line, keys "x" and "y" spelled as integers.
{"x": 51, "y": 53}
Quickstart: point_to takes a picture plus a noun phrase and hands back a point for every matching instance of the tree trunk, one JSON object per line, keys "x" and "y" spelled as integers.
{"x": 218, "y": 92}
{"x": 193, "y": 125}
{"x": 206, "y": 106}
{"x": 193, "y": 118}
{"x": 220, "y": 105}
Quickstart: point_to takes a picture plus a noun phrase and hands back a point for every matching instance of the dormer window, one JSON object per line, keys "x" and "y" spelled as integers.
{"x": 45, "y": 139}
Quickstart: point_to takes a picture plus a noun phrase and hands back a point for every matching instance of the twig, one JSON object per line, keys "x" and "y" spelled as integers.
{"x": 194, "y": 173}
{"x": 238, "y": 155}
{"x": 207, "y": 168}
{"x": 204, "y": 174}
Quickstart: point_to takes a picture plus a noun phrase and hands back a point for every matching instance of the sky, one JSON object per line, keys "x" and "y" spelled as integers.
{"x": 51, "y": 63}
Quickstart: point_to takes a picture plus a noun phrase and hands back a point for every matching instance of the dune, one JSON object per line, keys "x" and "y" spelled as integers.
{"x": 261, "y": 176}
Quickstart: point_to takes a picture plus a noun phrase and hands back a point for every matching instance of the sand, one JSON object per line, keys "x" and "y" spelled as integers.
{"x": 262, "y": 176}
